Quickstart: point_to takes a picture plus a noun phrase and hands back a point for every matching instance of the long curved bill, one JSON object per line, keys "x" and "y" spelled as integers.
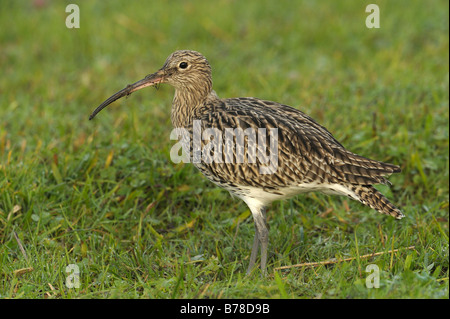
{"x": 149, "y": 80}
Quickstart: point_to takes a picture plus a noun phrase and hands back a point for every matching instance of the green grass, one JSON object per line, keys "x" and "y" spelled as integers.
{"x": 105, "y": 196}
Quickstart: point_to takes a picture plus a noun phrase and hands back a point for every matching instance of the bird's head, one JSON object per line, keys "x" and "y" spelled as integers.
{"x": 188, "y": 71}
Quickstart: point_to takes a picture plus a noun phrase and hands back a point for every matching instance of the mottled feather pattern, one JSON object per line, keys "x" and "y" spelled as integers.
{"x": 309, "y": 158}
{"x": 307, "y": 151}
{"x": 298, "y": 142}
{"x": 371, "y": 197}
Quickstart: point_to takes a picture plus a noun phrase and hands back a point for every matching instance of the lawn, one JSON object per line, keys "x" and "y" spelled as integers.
{"x": 102, "y": 199}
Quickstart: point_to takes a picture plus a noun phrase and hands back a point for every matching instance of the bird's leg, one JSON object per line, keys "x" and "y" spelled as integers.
{"x": 263, "y": 234}
{"x": 261, "y": 237}
{"x": 255, "y": 249}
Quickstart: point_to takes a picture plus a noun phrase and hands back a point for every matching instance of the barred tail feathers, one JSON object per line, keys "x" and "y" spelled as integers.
{"x": 371, "y": 197}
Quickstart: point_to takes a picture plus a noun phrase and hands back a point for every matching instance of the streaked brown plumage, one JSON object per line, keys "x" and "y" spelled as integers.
{"x": 309, "y": 158}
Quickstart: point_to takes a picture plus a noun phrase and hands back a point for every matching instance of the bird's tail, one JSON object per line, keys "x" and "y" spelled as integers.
{"x": 371, "y": 197}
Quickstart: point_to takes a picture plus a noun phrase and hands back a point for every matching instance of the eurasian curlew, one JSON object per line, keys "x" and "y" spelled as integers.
{"x": 303, "y": 155}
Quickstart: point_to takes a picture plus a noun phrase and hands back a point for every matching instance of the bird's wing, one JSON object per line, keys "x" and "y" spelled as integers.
{"x": 306, "y": 151}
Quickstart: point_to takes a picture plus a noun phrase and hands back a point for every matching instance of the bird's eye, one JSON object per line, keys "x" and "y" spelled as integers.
{"x": 183, "y": 65}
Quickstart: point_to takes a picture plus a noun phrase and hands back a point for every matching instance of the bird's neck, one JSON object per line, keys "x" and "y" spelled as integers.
{"x": 187, "y": 105}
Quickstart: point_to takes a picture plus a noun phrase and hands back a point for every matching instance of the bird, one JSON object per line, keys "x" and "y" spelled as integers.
{"x": 305, "y": 156}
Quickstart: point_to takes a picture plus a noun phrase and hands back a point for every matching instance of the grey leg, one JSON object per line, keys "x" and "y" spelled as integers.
{"x": 255, "y": 249}
{"x": 261, "y": 235}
